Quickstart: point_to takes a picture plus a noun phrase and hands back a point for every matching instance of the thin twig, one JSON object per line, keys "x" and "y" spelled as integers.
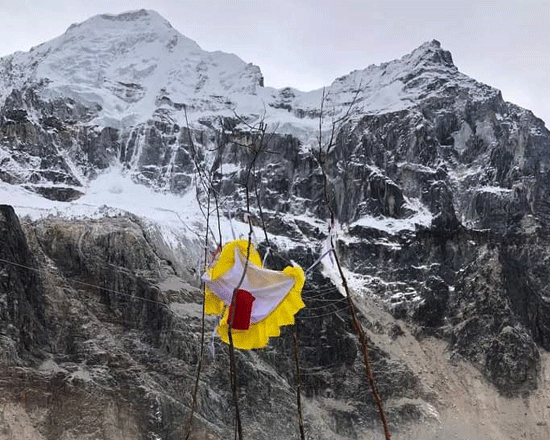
{"x": 201, "y": 353}
{"x": 231, "y": 317}
{"x": 298, "y": 383}
{"x": 323, "y": 150}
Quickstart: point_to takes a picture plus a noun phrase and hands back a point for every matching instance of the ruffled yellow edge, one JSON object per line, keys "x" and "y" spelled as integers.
{"x": 212, "y": 304}
{"x": 257, "y": 336}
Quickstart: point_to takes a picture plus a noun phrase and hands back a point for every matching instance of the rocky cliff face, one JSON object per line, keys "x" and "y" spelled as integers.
{"x": 439, "y": 186}
{"x": 121, "y": 355}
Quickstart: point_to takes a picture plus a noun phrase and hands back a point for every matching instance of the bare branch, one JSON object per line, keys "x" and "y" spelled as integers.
{"x": 321, "y": 157}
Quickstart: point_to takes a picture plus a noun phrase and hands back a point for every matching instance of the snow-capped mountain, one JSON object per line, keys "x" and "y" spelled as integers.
{"x": 118, "y": 90}
{"x": 440, "y": 190}
{"x": 126, "y": 66}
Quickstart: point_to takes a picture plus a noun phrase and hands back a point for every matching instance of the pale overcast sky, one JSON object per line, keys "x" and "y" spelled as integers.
{"x": 307, "y": 44}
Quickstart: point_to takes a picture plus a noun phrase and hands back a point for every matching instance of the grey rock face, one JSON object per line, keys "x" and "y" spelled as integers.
{"x": 22, "y": 301}
{"x": 122, "y": 344}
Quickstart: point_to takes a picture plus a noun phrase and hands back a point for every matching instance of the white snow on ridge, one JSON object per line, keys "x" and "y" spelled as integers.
{"x": 114, "y": 193}
{"x": 422, "y": 217}
{"x": 494, "y": 190}
{"x": 133, "y": 63}
{"x": 125, "y": 62}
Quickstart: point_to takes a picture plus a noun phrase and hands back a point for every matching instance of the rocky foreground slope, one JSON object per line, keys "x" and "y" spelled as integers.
{"x": 441, "y": 192}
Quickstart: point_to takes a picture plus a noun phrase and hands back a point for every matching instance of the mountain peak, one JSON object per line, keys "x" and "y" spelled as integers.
{"x": 141, "y": 15}
{"x": 125, "y": 63}
{"x": 109, "y": 26}
{"x": 144, "y": 17}
{"x": 430, "y": 51}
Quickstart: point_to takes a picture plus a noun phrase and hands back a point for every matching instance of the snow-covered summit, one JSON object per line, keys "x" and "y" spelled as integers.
{"x": 430, "y": 51}
{"x": 426, "y": 72}
{"x": 125, "y": 64}
{"x": 129, "y": 65}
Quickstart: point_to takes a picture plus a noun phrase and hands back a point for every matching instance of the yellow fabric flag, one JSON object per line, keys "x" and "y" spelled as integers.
{"x": 266, "y": 299}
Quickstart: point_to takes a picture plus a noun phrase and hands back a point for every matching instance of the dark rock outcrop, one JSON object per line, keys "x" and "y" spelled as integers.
{"x": 23, "y": 334}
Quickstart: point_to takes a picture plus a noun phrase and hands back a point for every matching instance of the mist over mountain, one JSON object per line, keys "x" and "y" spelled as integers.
{"x": 441, "y": 192}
